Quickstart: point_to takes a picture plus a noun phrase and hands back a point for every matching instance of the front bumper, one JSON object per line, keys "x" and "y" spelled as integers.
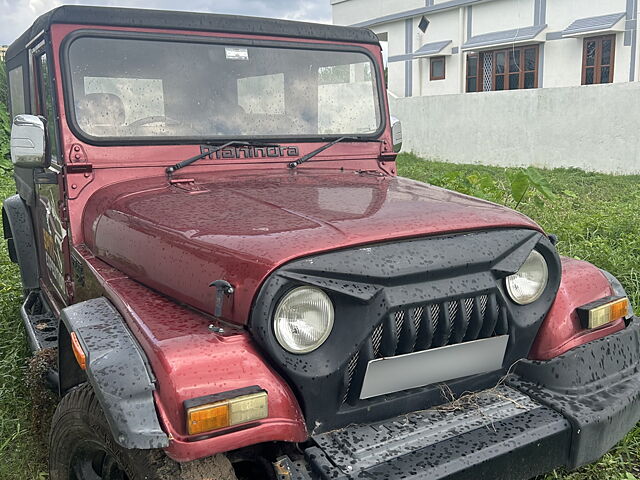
{"x": 564, "y": 412}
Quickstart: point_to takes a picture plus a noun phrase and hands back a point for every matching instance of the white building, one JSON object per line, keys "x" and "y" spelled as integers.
{"x": 454, "y": 46}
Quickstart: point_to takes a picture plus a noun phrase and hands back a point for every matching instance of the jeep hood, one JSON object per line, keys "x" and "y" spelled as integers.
{"x": 239, "y": 227}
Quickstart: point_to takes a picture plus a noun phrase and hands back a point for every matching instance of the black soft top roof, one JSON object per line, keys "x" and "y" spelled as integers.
{"x": 206, "y": 22}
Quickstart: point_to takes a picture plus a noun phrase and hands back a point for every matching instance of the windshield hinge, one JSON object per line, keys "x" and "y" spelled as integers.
{"x": 77, "y": 154}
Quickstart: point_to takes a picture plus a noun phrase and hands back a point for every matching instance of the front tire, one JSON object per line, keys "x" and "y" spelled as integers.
{"x": 81, "y": 447}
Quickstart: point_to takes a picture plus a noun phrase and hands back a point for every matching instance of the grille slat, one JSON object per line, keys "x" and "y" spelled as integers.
{"x": 475, "y": 322}
{"x": 443, "y": 330}
{"x": 426, "y": 331}
{"x": 408, "y": 335}
{"x": 503, "y": 322}
{"x": 461, "y": 322}
{"x": 490, "y": 317}
{"x": 389, "y": 337}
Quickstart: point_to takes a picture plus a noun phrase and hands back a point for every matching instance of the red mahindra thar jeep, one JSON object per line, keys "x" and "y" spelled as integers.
{"x": 211, "y": 233}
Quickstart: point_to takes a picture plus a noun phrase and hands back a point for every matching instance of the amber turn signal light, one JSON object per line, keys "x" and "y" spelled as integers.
{"x": 226, "y": 413}
{"x": 601, "y": 312}
{"x": 81, "y": 358}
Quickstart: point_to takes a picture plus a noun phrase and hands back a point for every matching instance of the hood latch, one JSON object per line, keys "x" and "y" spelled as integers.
{"x": 223, "y": 289}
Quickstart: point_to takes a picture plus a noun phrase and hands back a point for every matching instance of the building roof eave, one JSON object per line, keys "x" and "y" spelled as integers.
{"x": 433, "y": 49}
{"x": 595, "y": 25}
{"x": 517, "y": 36}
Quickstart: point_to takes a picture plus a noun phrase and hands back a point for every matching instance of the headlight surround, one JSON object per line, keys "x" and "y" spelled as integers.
{"x": 303, "y": 319}
{"x": 527, "y": 284}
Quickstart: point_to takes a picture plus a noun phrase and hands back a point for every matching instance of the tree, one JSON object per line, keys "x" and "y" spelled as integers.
{"x": 4, "y": 94}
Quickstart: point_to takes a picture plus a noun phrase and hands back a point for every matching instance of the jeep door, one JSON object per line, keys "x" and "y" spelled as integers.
{"x": 50, "y": 206}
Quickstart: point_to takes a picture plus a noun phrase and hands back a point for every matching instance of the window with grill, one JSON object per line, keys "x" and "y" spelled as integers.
{"x": 505, "y": 69}
{"x": 597, "y": 59}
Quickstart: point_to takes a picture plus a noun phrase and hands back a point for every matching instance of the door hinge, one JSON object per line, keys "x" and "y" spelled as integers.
{"x": 69, "y": 285}
{"x": 64, "y": 214}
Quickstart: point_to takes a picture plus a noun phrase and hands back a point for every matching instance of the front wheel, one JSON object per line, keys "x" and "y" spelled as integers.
{"x": 81, "y": 447}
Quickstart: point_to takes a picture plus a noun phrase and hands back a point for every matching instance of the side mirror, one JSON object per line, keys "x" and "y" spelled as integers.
{"x": 396, "y": 134}
{"x": 28, "y": 142}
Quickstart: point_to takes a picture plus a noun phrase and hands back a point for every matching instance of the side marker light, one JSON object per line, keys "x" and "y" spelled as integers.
{"x": 81, "y": 357}
{"x": 604, "y": 311}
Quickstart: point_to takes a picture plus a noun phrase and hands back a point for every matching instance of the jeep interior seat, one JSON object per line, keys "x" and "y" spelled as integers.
{"x": 100, "y": 114}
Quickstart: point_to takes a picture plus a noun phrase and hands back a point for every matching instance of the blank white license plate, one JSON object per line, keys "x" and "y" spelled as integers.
{"x": 392, "y": 374}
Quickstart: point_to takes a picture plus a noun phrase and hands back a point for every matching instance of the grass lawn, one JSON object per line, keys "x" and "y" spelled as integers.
{"x": 596, "y": 218}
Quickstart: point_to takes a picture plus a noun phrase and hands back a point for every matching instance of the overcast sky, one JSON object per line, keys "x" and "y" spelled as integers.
{"x": 17, "y": 15}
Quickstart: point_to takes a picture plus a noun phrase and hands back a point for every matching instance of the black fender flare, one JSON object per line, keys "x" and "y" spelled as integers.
{"x": 117, "y": 369}
{"x": 18, "y": 231}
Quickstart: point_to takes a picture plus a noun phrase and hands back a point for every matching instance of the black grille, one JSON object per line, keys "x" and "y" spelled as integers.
{"x": 399, "y": 297}
{"x": 424, "y": 327}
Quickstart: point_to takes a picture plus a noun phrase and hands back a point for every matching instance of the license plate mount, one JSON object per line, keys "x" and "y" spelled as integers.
{"x": 412, "y": 370}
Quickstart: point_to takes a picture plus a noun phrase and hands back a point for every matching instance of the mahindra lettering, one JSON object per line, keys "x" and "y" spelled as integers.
{"x": 212, "y": 236}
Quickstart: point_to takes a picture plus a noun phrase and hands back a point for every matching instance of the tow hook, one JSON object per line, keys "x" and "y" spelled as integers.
{"x": 223, "y": 289}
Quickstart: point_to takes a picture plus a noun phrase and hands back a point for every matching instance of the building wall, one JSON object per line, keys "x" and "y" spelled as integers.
{"x": 560, "y": 58}
{"x": 547, "y": 127}
{"x": 347, "y": 12}
{"x": 502, "y": 15}
{"x": 445, "y": 28}
{"x": 396, "y": 73}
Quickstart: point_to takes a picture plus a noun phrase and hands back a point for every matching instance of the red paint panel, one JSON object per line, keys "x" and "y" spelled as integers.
{"x": 190, "y": 361}
{"x": 561, "y": 331}
{"x": 240, "y": 226}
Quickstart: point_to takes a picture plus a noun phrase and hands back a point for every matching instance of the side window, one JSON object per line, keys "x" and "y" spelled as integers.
{"x": 46, "y": 107}
{"x": 16, "y": 91}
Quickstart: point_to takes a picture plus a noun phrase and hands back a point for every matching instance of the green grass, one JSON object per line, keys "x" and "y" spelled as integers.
{"x": 21, "y": 452}
{"x": 595, "y": 216}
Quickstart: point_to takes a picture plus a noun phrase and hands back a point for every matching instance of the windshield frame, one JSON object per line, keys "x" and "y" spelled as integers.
{"x": 69, "y": 102}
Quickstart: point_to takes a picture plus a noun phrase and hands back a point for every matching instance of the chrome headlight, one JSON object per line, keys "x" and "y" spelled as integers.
{"x": 527, "y": 284}
{"x": 303, "y": 319}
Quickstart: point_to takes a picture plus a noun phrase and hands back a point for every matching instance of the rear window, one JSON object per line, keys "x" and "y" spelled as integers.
{"x": 16, "y": 91}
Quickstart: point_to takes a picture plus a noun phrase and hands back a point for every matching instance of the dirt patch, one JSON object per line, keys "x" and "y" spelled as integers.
{"x": 217, "y": 467}
{"x": 43, "y": 400}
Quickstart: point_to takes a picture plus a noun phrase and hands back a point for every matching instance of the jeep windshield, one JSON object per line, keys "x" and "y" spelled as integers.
{"x": 178, "y": 88}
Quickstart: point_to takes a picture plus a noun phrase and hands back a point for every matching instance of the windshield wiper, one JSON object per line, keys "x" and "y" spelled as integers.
{"x": 185, "y": 163}
{"x": 310, "y": 155}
